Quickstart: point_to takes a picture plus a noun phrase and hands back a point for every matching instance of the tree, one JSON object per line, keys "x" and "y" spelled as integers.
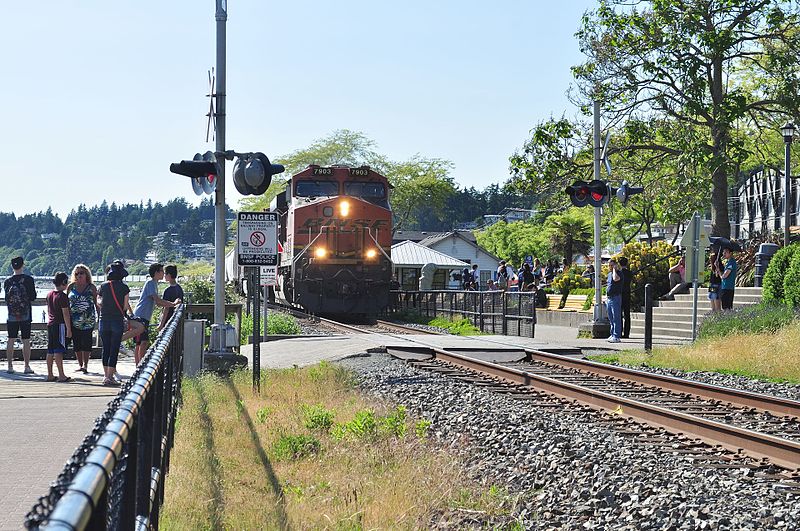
{"x": 570, "y": 233}
{"x": 515, "y": 241}
{"x": 694, "y": 62}
{"x": 419, "y": 183}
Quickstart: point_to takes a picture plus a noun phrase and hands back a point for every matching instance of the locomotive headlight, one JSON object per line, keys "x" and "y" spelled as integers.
{"x": 371, "y": 253}
{"x": 344, "y": 208}
{"x": 320, "y": 252}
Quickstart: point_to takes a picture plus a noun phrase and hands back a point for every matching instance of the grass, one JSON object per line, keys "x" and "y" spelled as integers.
{"x": 772, "y": 356}
{"x": 309, "y": 453}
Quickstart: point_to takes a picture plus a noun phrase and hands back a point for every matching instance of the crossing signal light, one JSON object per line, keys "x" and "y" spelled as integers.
{"x": 204, "y": 170}
{"x": 594, "y": 193}
{"x": 252, "y": 173}
{"x": 625, "y": 191}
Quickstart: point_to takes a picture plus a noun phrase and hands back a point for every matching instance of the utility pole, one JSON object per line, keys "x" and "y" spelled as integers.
{"x": 220, "y": 227}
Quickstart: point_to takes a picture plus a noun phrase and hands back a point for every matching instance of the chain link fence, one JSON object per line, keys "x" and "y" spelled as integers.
{"x": 496, "y": 312}
{"x": 115, "y": 478}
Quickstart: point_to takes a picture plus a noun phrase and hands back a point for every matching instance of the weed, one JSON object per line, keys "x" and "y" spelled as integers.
{"x": 263, "y": 413}
{"x": 460, "y": 327}
{"x": 295, "y": 490}
{"x": 317, "y": 417}
{"x": 292, "y": 447}
{"x": 421, "y": 428}
{"x": 394, "y": 424}
{"x": 764, "y": 317}
{"x": 239, "y": 408}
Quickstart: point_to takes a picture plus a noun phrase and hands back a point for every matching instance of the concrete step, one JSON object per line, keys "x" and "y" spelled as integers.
{"x": 672, "y": 325}
{"x": 703, "y": 294}
{"x": 682, "y": 333}
{"x": 667, "y": 318}
{"x": 701, "y": 304}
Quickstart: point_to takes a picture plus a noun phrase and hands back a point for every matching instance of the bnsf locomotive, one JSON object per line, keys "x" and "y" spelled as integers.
{"x": 336, "y": 236}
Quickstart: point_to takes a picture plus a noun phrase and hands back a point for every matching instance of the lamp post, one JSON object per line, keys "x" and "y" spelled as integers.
{"x": 788, "y": 135}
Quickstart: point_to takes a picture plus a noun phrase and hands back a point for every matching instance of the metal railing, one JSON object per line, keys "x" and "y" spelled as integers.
{"x": 115, "y": 478}
{"x": 497, "y": 312}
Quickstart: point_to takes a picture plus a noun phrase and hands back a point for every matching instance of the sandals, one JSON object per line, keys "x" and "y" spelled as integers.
{"x": 54, "y": 379}
{"x": 51, "y": 378}
{"x": 110, "y": 383}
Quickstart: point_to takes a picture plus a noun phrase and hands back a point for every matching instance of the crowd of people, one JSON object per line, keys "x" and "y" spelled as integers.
{"x": 76, "y": 305}
{"x": 528, "y": 277}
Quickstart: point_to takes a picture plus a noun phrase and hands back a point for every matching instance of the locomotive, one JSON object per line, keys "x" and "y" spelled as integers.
{"x": 335, "y": 237}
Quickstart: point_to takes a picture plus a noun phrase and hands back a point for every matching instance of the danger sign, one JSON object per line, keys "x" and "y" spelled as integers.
{"x": 257, "y": 234}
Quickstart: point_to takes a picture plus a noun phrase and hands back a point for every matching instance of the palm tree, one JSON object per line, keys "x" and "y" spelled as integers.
{"x": 571, "y": 233}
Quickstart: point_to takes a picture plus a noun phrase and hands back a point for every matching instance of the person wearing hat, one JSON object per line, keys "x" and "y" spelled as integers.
{"x": 20, "y": 291}
{"x": 728, "y": 277}
{"x": 115, "y": 306}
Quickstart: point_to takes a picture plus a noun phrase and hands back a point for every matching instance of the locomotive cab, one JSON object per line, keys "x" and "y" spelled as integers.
{"x": 336, "y": 256}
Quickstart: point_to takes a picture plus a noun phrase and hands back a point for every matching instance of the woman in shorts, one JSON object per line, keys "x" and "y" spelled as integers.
{"x": 715, "y": 284}
{"x": 83, "y": 310}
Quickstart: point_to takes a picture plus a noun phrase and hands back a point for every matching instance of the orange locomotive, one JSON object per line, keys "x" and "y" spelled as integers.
{"x": 336, "y": 237}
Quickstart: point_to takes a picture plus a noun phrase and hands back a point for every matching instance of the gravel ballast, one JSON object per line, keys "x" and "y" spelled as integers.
{"x": 571, "y": 470}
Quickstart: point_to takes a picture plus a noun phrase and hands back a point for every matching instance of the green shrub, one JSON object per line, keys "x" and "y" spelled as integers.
{"x": 791, "y": 283}
{"x": 317, "y": 417}
{"x": 570, "y": 280}
{"x": 421, "y": 428}
{"x": 776, "y": 273}
{"x": 278, "y": 323}
{"x": 363, "y": 425}
{"x": 648, "y": 266}
{"x": 764, "y": 317}
{"x": 291, "y": 447}
{"x": 460, "y": 327}
{"x": 394, "y": 424}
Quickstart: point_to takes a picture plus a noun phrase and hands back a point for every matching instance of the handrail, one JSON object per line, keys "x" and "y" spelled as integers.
{"x": 115, "y": 478}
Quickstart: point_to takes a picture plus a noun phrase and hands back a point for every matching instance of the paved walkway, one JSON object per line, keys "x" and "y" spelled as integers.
{"x": 41, "y": 424}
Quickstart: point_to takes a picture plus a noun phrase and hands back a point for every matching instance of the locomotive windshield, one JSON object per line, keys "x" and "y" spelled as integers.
{"x": 366, "y": 190}
{"x": 316, "y": 188}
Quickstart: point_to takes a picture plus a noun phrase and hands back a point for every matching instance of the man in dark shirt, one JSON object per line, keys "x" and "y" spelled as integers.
{"x": 174, "y": 292}
{"x": 614, "y": 300}
{"x": 20, "y": 292}
{"x": 627, "y": 276}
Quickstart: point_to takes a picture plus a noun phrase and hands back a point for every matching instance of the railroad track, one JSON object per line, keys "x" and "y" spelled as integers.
{"x": 378, "y": 327}
{"x": 721, "y": 426}
{"x": 732, "y": 427}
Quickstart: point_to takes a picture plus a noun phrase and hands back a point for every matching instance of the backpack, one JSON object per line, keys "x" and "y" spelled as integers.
{"x": 17, "y": 301}
{"x": 503, "y": 272}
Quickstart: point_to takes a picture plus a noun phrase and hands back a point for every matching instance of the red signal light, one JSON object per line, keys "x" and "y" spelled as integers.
{"x": 597, "y": 196}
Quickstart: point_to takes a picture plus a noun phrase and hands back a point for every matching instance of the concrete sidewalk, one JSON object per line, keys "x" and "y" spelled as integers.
{"x": 41, "y": 425}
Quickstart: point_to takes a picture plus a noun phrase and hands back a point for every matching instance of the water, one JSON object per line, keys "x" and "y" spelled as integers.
{"x": 39, "y": 313}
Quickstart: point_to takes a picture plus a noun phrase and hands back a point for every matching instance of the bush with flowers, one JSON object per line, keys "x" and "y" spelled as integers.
{"x": 567, "y": 281}
{"x": 649, "y": 264}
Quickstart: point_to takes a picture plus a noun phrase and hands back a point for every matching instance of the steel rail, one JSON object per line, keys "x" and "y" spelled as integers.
{"x": 738, "y": 397}
{"x": 772, "y": 404}
{"x": 781, "y": 452}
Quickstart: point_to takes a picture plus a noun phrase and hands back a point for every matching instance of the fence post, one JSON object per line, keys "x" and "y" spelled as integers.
{"x": 480, "y": 318}
{"x": 648, "y": 317}
{"x": 505, "y": 310}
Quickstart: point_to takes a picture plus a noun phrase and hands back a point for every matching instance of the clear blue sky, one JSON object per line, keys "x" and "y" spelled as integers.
{"x": 100, "y": 96}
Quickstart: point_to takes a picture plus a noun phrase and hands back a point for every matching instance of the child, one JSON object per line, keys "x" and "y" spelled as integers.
{"x": 59, "y": 327}
{"x": 173, "y": 293}
{"x": 148, "y": 300}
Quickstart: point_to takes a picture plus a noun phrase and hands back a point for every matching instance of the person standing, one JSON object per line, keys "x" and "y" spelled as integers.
{"x": 144, "y": 308}
{"x": 475, "y": 278}
{"x": 114, "y": 306}
{"x": 614, "y": 301}
{"x": 627, "y": 278}
{"x": 59, "y": 327}
{"x": 20, "y": 291}
{"x": 728, "y": 276}
{"x": 527, "y": 280}
{"x": 714, "y": 283}
{"x": 504, "y": 274}
{"x": 174, "y": 292}
{"x": 83, "y": 313}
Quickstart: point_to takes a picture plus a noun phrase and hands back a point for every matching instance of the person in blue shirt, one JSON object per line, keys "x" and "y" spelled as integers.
{"x": 614, "y": 300}
{"x": 144, "y": 308}
{"x": 728, "y": 279}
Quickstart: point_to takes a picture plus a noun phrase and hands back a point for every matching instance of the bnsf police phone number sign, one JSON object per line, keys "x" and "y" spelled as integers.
{"x": 258, "y": 238}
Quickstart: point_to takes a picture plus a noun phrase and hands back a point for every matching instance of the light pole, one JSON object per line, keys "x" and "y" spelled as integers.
{"x": 788, "y": 135}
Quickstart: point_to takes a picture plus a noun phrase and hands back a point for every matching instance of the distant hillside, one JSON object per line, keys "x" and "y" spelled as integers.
{"x": 97, "y": 235}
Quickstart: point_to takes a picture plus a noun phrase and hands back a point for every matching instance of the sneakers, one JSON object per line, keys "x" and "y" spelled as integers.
{"x": 110, "y": 383}
{"x": 28, "y": 370}
{"x": 613, "y": 339}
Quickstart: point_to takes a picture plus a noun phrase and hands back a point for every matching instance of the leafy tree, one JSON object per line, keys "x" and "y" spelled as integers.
{"x": 693, "y": 63}
{"x": 515, "y": 241}
{"x": 570, "y": 233}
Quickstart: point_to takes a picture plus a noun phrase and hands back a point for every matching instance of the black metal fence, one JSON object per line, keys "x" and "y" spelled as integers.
{"x": 115, "y": 478}
{"x": 497, "y": 312}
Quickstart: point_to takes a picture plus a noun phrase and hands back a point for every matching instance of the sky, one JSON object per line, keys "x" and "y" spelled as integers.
{"x": 100, "y": 97}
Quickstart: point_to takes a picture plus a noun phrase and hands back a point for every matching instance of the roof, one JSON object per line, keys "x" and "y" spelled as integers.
{"x": 437, "y": 237}
{"x": 412, "y": 235}
{"x": 408, "y": 253}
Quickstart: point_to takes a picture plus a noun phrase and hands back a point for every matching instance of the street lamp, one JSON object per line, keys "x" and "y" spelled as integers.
{"x": 788, "y": 135}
